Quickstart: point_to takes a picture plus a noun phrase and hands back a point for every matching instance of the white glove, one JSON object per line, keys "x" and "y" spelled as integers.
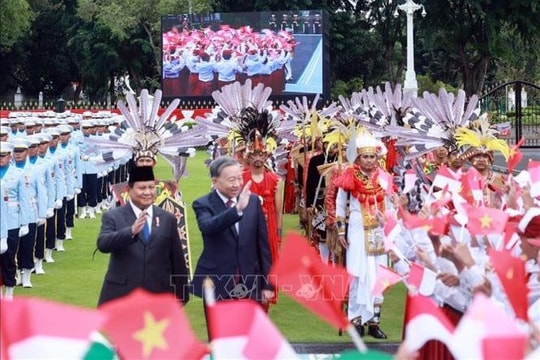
{"x": 77, "y": 191}
{"x": 69, "y": 197}
{"x": 23, "y": 230}
{"x": 85, "y": 157}
{"x": 40, "y": 221}
{"x": 58, "y": 204}
{"x": 3, "y": 245}
{"x": 109, "y": 169}
{"x": 50, "y": 213}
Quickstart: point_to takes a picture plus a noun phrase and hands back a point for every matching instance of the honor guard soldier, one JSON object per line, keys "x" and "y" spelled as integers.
{"x": 59, "y": 194}
{"x": 15, "y": 191}
{"x": 34, "y": 213}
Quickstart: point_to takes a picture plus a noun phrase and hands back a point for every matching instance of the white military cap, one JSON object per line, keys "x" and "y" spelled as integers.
{"x": 6, "y": 147}
{"x": 20, "y": 143}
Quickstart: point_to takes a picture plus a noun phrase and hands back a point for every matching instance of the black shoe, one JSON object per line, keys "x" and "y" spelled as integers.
{"x": 375, "y": 331}
{"x": 358, "y": 326}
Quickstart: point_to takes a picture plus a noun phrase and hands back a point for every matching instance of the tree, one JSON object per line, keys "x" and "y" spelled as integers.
{"x": 462, "y": 35}
{"x": 137, "y": 21}
{"x": 15, "y": 21}
{"x": 44, "y": 63}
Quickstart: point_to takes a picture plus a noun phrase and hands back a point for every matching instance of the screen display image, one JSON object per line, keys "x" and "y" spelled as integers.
{"x": 286, "y": 51}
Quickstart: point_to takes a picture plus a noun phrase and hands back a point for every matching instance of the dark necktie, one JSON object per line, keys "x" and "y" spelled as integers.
{"x": 229, "y": 203}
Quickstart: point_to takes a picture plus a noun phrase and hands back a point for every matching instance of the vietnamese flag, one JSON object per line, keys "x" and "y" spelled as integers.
{"x": 385, "y": 279}
{"x": 511, "y": 272}
{"x": 425, "y": 321}
{"x": 484, "y": 220}
{"x": 534, "y": 172}
{"x": 39, "y": 329}
{"x": 240, "y": 329}
{"x": 300, "y": 273}
{"x": 515, "y": 155}
{"x": 411, "y": 221}
{"x": 435, "y": 225}
{"x": 145, "y": 325}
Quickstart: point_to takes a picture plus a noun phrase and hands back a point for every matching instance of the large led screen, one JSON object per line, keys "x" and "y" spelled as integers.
{"x": 285, "y": 50}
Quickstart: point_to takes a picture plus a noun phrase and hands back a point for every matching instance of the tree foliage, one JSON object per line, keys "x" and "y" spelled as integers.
{"x": 463, "y": 36}
{"x": 47, "y": 45}
{"x": 15, "y": 20}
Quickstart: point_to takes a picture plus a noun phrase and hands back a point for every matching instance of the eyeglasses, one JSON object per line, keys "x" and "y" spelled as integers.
{"x": 19, "y": 150}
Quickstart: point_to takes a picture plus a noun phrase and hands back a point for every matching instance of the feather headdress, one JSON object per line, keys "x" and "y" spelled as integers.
{"x": 480, "y": 137}
{"x": 145, "y": 133}
{"x": 245, "y": 118}
{"x": 433, "y": 121}
{"x": 376, "y": 109}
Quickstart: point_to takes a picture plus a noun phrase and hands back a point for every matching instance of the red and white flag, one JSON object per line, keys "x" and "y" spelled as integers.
{"x": 534, "y": 172}
{"x": 392, "y": 229}
{"x": 240, "y": 329}
{"x": 39, "y": 329}
{"x": 472, "y": 187}
{"x": 425, "y": 321}
{"x": 386, "y": 181}
{"x": 446, "y": 178}
{"x": 409, "y": 180}
{"x": 421, "y": 279}
{"x": 483, "y": 320}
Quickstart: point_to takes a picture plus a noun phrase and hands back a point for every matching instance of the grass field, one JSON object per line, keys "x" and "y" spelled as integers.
{"x": 77, "y": 274}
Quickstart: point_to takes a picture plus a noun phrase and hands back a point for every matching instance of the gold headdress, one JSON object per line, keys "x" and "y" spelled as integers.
{"x": 480, "y": 138}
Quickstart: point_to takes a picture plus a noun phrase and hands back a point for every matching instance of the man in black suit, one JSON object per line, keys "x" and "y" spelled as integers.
{"x": 144, "y": 244}
{"x": 236, "y": 255}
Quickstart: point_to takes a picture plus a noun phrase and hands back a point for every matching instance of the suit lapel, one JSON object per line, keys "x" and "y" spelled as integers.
{"x": 218, "y": 204}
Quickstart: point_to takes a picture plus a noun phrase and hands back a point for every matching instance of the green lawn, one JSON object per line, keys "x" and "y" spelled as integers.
{"x": 77, "y": 274}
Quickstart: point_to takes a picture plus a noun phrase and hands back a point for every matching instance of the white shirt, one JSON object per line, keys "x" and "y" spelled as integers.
{"x": 149, "y": 211}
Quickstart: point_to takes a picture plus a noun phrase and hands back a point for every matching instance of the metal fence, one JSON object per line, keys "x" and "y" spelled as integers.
{"x": 515, "y": 109}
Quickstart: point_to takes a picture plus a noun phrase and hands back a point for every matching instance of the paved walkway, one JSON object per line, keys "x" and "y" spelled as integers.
{"x": 336, "y": 348}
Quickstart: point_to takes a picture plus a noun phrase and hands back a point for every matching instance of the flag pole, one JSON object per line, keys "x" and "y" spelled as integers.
{"x": 209, "y": 302}
{"x": 357, "y": 340}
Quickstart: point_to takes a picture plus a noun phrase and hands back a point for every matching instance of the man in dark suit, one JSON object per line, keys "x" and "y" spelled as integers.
{"x": 144, "y": 244}
{"x": 236, "y": 254}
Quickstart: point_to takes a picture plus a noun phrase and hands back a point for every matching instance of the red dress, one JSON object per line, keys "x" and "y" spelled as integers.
{"x": 289, "y": 205}
{"x": 266, "y": 189}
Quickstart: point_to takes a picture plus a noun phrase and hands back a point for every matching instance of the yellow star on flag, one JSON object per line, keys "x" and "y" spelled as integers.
{"x": 151, "y": 335}
{"x": 510, "y": 274}
{"x": 485, "y": 221}
{"x": 427, "y": 227}
{"x": 385, "y": 283}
